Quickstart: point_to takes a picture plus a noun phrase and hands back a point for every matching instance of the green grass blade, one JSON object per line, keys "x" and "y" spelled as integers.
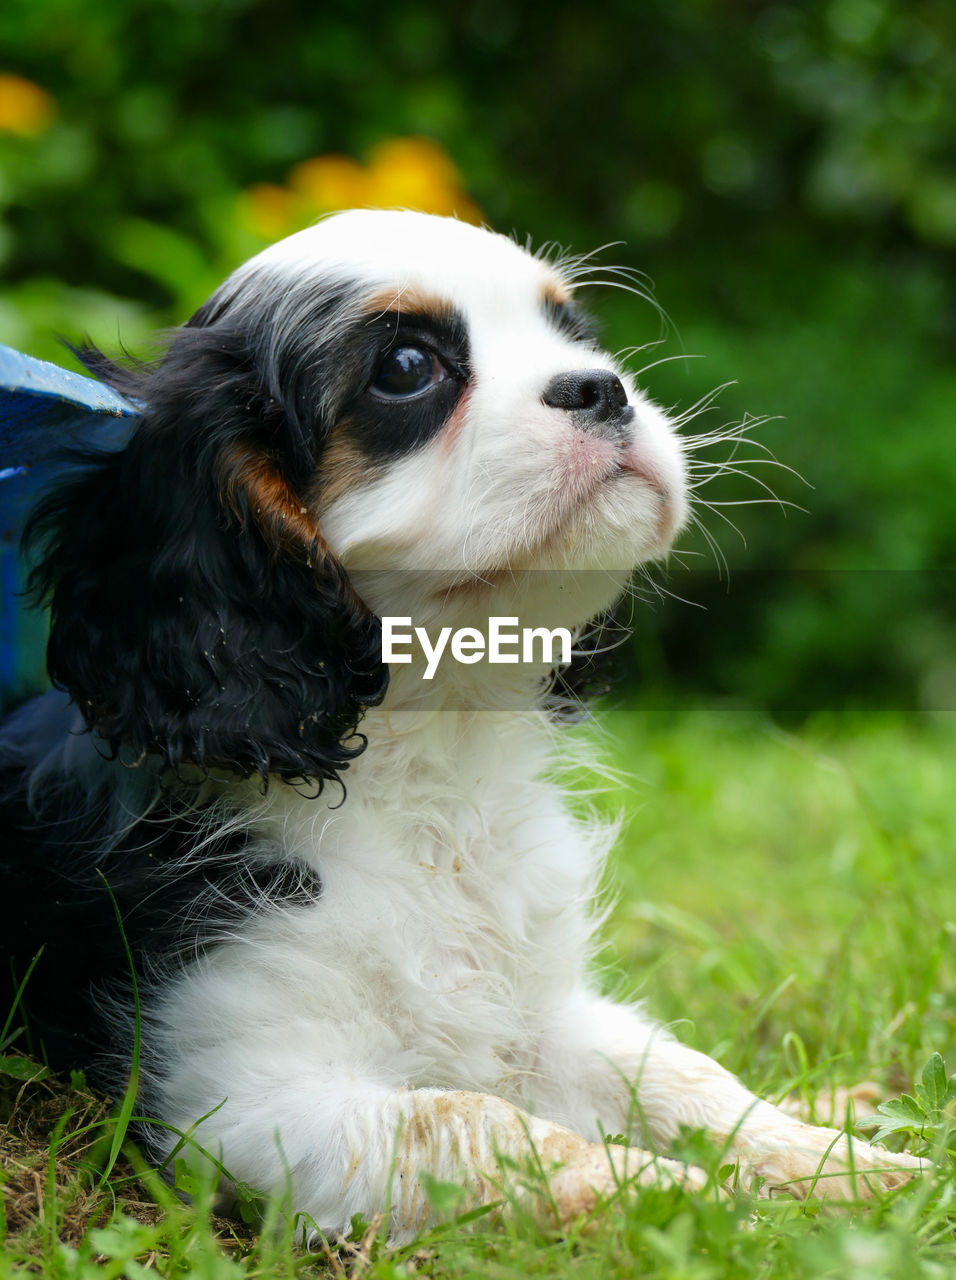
{"x": 132, "y": 1088}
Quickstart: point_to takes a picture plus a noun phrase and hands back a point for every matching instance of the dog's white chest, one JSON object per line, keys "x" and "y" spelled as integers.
{"x": 445, "y": 931}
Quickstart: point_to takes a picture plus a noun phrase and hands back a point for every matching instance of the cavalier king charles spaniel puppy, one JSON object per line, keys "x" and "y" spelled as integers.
{"x": 357, "y": 903}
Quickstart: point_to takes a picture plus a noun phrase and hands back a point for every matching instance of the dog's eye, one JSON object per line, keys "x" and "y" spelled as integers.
{"x": 407, "y": 372}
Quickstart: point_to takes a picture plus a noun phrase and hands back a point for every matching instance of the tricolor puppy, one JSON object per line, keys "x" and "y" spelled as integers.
{"x": 358, "y": 907}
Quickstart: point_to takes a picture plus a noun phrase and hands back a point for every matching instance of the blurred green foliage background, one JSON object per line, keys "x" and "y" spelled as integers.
{"x": 783, "y": 172}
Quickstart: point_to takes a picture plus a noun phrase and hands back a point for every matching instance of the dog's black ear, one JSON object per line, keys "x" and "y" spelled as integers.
{"x": 196, "y": 611}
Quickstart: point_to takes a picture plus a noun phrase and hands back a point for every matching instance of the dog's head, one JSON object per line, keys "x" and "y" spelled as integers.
{"x": 383, "y": 407}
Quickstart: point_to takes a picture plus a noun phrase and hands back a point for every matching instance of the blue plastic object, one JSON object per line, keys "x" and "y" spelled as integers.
{"x": 45, "y": 411}
{"x": 44, "y": 408}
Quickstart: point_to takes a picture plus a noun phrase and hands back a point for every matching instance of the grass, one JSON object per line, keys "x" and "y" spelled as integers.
{"x": 785, "y": 901}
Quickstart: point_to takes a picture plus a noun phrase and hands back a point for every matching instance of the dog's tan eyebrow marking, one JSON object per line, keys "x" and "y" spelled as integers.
{"x": 408, "y": 300}
{"x": 564, "y": 315}
{"x": 555, "y": 293}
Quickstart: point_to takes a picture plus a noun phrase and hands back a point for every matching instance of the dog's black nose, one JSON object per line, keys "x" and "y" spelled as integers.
{"x": 596, "y": 396}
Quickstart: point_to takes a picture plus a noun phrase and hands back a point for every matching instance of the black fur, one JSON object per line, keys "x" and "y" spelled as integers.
{"x": 177, "y": 625}
{"x": 74, "y": 850}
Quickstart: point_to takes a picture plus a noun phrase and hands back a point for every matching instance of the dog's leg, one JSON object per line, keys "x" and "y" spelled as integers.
{"x": 364, "y": 1151}
{"x": 632, "y": 1071}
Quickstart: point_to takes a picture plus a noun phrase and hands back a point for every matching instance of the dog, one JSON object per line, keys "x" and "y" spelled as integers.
{"x": 356, "y": 903}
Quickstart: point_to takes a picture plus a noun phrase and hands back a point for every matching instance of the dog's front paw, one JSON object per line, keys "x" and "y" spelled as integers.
{"x": 598, "y": 1171}
{"x": 803, "y": 1160}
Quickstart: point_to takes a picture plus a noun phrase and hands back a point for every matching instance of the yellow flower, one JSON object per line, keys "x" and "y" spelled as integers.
{"x": 25, "y": 108}
{"x": 331, "y": 182}
{"x": 415, "y": 173}
{"x": 268, "y": 210}
{"x": 407, "y": 173}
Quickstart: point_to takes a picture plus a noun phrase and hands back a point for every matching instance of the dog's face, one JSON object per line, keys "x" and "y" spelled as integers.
{"x": 470, "y": 427}
{"x": 388, "y": 413}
